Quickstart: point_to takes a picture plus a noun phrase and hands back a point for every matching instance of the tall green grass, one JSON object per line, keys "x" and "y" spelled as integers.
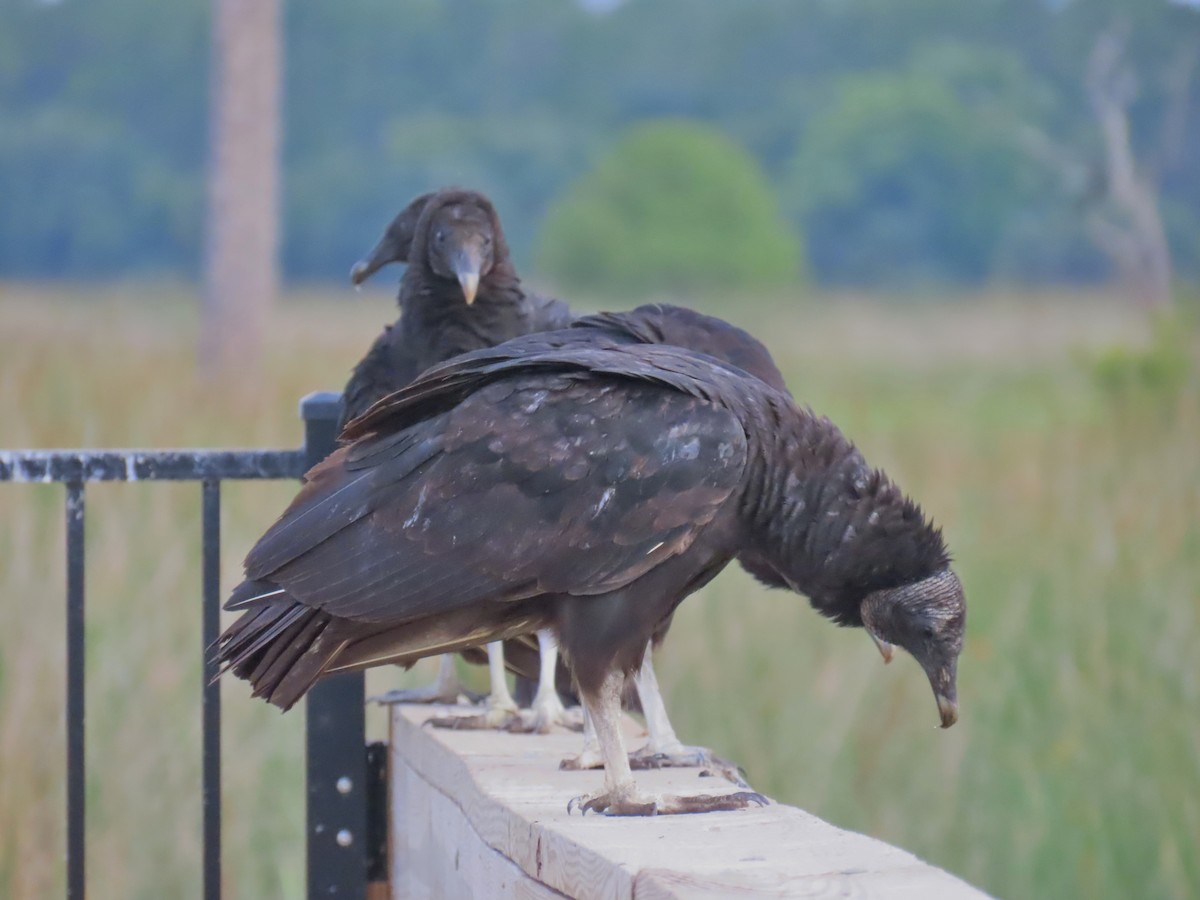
{"x": 1070, "y": 497}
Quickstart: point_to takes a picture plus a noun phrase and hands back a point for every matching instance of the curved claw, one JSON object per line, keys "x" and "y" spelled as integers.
{"x": 752, "y": 797}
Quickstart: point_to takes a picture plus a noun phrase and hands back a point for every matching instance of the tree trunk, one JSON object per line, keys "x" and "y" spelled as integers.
{"x": 1131, "y": 229}
{"x": 241, "y": 270}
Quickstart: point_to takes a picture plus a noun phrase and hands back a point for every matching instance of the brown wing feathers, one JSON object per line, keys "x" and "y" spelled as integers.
{"x": 600, "y": 500}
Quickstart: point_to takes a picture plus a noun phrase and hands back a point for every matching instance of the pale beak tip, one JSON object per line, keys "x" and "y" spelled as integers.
{"x": 470, "y": 286}
{"x": 948, "y": 710}
{"x": 358, "y": 274}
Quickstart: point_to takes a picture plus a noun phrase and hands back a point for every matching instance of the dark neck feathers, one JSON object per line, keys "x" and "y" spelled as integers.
{"x": 832, "y": 527}
{"x": 437, "y": 323}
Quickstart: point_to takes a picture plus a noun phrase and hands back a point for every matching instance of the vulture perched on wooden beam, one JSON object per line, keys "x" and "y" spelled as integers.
{"x": 586, "y": 487}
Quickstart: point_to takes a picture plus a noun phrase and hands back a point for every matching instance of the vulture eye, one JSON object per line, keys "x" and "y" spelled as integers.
{"x": 927, "y": 631}
{"x": 440, "y": 235}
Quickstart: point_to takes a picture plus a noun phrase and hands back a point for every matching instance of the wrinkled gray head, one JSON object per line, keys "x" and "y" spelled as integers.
{"x": 926, "y": 618}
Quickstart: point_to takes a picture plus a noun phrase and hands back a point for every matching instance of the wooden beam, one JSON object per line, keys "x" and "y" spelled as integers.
{"x": 485, "y": 814}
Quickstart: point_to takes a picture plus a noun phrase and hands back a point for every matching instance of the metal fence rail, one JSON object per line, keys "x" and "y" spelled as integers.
{"x": 336, "y": 759}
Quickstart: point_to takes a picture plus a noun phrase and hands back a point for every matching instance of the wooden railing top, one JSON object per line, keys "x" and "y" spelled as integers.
{"x": 485, "y": 814}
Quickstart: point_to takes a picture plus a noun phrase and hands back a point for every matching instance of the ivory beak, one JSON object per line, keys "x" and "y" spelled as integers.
{"x": 470, "y": 285}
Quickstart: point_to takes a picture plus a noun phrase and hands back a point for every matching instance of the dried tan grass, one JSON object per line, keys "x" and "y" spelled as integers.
{"x": 1073, "y": 514}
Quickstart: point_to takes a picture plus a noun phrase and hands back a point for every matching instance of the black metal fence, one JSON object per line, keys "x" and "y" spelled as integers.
{"x": 344, "y": 846}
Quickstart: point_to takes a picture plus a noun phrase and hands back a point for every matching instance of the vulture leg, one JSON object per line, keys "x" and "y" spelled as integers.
{"x": 590, "y": 758}
{"x": 501, "y": 708}
{"x": 664, "y": 749}
{"x": 446, "y": 688}
{"x": 620, "y": 796}
{"x": 547, "y": 709}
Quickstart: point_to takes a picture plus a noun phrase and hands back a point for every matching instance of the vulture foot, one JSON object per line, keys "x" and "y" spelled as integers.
{"x": 430, "y": 693}
{"x": 497, "y": 717}
{"x": 542, "y": 717}
{"x": 590, "y": 758}
{"x": 688, "y": 758}
{"x": 630, "y": 803}
{"x": 446, "y": 689}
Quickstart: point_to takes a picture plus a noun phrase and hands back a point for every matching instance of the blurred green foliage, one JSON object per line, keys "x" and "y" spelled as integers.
{"x": 910, "y": 175}
{"x": 1158, "y": 370}
{"x": 674, "y": 205}
{"x": 890, "y": 131}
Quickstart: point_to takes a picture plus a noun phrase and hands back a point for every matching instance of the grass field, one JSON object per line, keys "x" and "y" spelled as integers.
{"x": 1065, "y": 472}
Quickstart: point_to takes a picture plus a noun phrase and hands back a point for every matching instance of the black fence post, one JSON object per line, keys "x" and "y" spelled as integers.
{"x": 76, "y": 715}
{"x": 335, "y": 734}
{"x": 210, "y": 703}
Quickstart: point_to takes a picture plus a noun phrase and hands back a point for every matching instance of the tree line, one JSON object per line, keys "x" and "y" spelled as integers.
{"x": 903, "y": 143}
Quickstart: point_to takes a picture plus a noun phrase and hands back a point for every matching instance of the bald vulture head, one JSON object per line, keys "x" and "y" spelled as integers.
{"x": 926, "y": 618}
{"x": 450, "y": 234}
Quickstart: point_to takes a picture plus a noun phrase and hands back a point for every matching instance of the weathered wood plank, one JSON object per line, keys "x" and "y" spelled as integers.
{"x": 484, "y": 814}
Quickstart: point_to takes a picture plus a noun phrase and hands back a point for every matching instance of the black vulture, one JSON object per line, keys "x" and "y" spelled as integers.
{"x": 588, "y": 488}
{"x": 460, "y": 292}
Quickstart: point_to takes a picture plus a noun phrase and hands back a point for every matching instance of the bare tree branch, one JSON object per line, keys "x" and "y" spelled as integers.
{"x": 1129, "y": 226}
{"x": 1179, "y": 90}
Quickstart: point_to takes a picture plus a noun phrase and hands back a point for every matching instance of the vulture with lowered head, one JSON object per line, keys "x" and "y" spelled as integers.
{"x": 587, "y": 488}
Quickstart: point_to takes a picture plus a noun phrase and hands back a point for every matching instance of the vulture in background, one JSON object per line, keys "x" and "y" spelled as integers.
{"x": 460, "y": 292}
{"x": 587, "y": 487}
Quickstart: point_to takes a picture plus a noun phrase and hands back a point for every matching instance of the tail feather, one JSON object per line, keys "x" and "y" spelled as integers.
{"x": 280, "y": 646}
{"x": 272, "y": 631}
{"x": 252, "y": 593}
{"x": 264, "y": 676}
{"x": 256, "y": 629}
{"x": 284, "y": 679}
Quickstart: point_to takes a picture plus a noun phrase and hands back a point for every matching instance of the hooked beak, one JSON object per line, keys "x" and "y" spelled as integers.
{"x": 466, "y": 269}
{"x": 886, "y": 650}
{"x": 945, "y": 691}
{"x": 948, "y": 709}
